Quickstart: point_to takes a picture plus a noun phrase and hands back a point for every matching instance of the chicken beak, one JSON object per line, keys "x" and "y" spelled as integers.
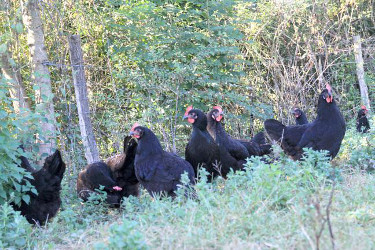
{"x": 185, "y": 117}
{"x": 131, "y": 133}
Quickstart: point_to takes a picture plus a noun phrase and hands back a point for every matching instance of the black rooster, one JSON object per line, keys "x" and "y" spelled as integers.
{"x": 116, "y": 175}
{"x": 325, "y": 133}
{"x": 362, "y": 120}
{"x": 47, "y": 182}
{"x": 300, "y": 116}
{"x": 201, "y": 149}
{"x": 157, "y": 170}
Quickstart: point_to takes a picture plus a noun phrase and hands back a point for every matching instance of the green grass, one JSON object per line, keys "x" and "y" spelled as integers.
{"x": 278, "y": 206}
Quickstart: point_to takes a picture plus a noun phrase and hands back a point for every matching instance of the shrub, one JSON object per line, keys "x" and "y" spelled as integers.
{"x": 12, "y": 134}
{"x": 358, "y": 149}
{"x": 15, "y": 231}
{"x": 124, "y": 236}
{"x": 280, "y": 181}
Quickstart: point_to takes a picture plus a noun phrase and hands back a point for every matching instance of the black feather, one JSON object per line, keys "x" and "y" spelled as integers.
{"x": 232, "y": 153}
{"x": 362, "y": 122}
{"x": 201, "y": 149}
{"x": 326, "y": 132}
{"x": 47, "y": 182}
{"x": 157, "y": 170}
{"x": 115, "y": 171}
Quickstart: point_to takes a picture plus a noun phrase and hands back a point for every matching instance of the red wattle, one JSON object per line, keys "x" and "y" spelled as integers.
{"x": 219, "y": 118}
{"x": 190, "y": 120}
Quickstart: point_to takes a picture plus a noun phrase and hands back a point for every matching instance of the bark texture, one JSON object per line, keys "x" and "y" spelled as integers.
{"x": 360, "y": 71}
{"x": 41, "y": 77}
{"x": 14, "y": 80}
{"x": 80, "y": 88}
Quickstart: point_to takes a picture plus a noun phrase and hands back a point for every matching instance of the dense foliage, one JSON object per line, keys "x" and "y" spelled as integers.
{"x": 15, "y": 231}
{"x": 146, "y": 61}
{"x": 176, "y": 54}
{"x": 14, "y": 129}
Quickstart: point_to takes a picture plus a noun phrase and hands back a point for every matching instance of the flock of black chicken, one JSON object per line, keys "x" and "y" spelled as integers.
{"x": 144, "y": 161}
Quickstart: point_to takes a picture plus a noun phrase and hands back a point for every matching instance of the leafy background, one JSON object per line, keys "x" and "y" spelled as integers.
{"x": 146, "y": 61}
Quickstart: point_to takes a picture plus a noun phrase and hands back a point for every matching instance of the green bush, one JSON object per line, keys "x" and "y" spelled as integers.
{"x": 358, "y": 149}
{"x": 94, "y": 209}
{"x": 187, "y": 53}
{"x": 124, "y": 236}
{"x": 15, "y": 231}
{"x": 15, "y": 129}
{"x": 280, "y": 181}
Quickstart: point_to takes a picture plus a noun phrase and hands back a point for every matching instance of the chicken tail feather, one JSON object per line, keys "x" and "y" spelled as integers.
{"x": 274, "y": 129}
{"x": 55, "y": 165}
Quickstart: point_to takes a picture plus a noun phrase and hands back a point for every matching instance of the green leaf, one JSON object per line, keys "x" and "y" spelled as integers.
{"x": 3, "y": 48}
{"x": 26, "y": 198}
{"x": 19, "y": 27}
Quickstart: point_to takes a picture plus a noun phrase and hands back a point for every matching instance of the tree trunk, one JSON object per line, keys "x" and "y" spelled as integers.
{"x": 87, "y": 133}
{"x": 361, "y": 71}
{"x": 41, "y": 76}
{"x": 14, "y": 80}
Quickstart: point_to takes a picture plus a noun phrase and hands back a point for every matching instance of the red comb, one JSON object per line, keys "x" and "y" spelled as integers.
{"x": 328, "y": 87}
{"x": 363, "y": 107}
{"x": 134, "y": 126}
{"x": 188, "y": 109}
{"x": 218, "y": 108}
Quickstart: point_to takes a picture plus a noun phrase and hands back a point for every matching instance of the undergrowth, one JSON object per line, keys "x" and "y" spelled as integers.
{"x": 283, "y": 204}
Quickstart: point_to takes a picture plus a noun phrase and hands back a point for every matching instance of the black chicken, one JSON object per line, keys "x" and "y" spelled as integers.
{"x": 157, "y": 170}
{"x": 362, "y": 120}
{"x": 116, "y": 175}
{"x": 47, "y": 181}
{"x": 95, "y": 175}
{"x": 324, "y": 133}
{"x": 122, "y": 168}
{"x": 257, "y": 146}
{"x": 300, "y": 116}
{"x": 237, "y": 152}
{"x": 217, "y": 131}
{"x": 201, "y": 149}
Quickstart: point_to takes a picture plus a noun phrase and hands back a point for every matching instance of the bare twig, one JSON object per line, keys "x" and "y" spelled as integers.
{"x": 332, "y": 237}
